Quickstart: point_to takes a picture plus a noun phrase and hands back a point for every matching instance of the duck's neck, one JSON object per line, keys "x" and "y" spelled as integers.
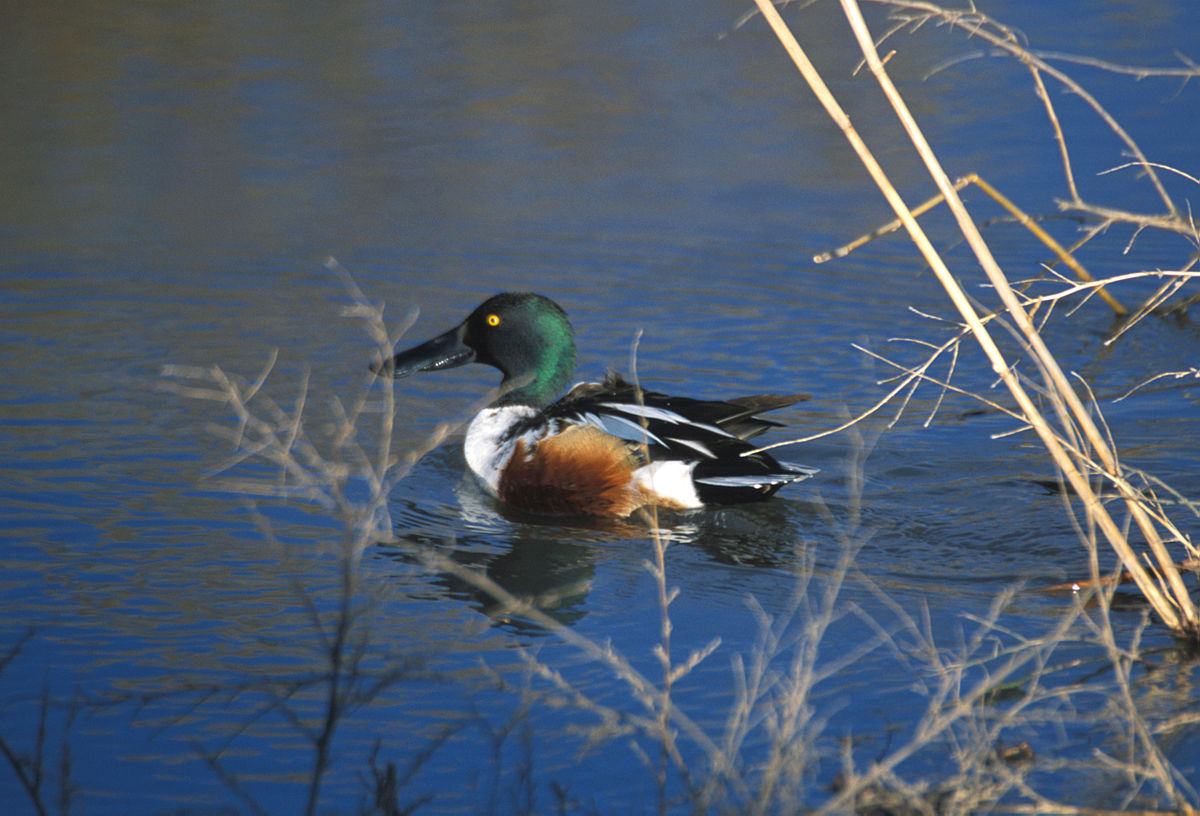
{"x": 538, "y": 385}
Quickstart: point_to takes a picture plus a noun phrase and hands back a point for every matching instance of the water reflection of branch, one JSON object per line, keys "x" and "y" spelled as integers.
{"x": 29, "y": 770}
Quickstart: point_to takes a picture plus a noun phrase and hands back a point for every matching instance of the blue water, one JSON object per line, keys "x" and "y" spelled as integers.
{"x": 175, "y": 177}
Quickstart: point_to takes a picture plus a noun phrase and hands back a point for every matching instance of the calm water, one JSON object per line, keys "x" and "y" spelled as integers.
{"x": 174, "y": 176}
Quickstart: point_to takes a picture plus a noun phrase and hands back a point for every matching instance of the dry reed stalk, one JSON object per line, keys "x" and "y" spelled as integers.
{"x": 1172, "y": 601}
{"x": 1065, "y": 255}
{"x": 979, "y": 25}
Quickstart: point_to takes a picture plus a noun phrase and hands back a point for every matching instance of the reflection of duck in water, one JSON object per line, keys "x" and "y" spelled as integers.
{"x": 553, "y": 576}
{"x": 605, "y": 449}
{"x": 546, "y": 563}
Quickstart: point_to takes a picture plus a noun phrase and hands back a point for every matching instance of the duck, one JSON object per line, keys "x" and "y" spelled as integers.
{"x": 603, "y": 449}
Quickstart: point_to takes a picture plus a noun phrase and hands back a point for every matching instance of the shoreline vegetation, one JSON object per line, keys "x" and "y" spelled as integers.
{"x": 982, "y": 696}
{"x": 1072, "y": 431}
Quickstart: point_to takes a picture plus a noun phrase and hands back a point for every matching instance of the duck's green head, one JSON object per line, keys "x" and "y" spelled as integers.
{"x": 526, "y": 336}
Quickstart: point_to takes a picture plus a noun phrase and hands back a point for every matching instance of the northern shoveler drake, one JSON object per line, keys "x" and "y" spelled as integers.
{"x": 604, "y": 449}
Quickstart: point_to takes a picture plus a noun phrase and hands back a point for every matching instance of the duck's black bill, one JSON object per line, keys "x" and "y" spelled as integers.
{"x": 444, "y": 351}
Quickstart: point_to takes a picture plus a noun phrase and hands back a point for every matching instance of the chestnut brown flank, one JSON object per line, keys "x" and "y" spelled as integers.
{"x": 581, "y": 471}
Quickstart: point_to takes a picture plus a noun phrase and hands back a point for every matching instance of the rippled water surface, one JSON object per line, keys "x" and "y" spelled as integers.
{"x": 175, "y": 176}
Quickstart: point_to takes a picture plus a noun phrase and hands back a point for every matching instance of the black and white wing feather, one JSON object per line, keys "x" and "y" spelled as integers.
{"x": 712, "y": 434}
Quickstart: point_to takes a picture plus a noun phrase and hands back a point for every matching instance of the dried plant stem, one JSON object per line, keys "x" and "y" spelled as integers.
{"x": 983, "y": 27}
{"x": 1177, "y": 612}
{"x": 1176, "y": 609}
{"x": 978, "y": 25}
{"x": 766, "y": 758}
{"x": 1020, "y": 215}
{"x": 266, "y": 431}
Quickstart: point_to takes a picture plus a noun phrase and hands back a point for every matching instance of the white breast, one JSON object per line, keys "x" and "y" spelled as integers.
{"x": 486, "y": 447}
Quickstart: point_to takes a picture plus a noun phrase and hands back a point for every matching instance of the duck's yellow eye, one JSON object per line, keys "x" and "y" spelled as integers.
{"x": 493, "y": 320}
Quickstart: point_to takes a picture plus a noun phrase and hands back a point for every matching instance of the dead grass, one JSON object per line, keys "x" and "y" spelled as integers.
{"x": 982, "y": 696}
{"x": 1069, "y": 426}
